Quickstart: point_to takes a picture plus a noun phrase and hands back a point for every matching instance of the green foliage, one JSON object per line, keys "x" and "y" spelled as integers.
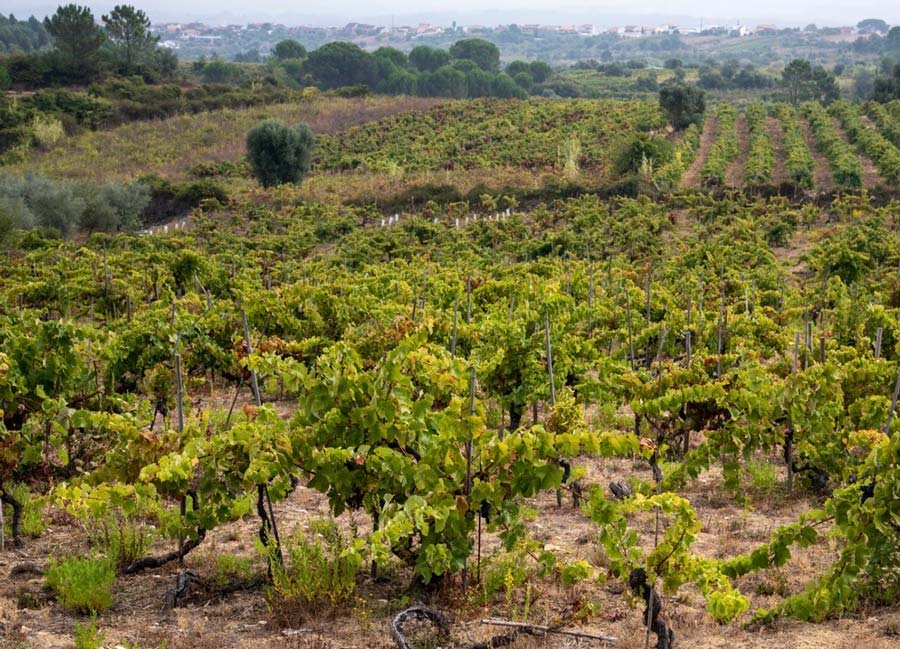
{"x": 338, "y": 64}
{"x": 22, "y": 35}
{"x": 496, "y": 133}
{"x": 222, "y": 72}
{"x": 761, "y": 157}
{"x": 685, "y": 150}
{"x": 879, "y": 149}
{"x": 845, "y": 165}
{"x": 123, "y": 538}
{"x": 69, "y": 206}
{"x": 46, "y": 132}
{"x": 279, "y": 153}
{"x": 801, "y": 81}
{"x": 288, "y": 49}
{"x": 798, "y": 160}
{"x": 83, "y": 584}
{"x": 724, "y": 150}
{"x": 887, "y": 124}
{"x": 33, "y": 522}
{"x": 130, "y": 39}
{"x": 77, "y": 38}
{"x": 671, "y": 560}
{"x": 229, "y": 569}
{"x": 483, "y": 53}
{"x": 89, "y": 635}
{"x": 428, "y": 59}
{"x": 762, "y": 476}
{"x": 683, "y": 104}
{"x": 887, "y": 88}
{"x": 641, "y": 150}
{"x": 319, "y": 573}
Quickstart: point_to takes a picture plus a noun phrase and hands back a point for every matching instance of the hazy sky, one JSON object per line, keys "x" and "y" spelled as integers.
{"x": 787, "y": 12}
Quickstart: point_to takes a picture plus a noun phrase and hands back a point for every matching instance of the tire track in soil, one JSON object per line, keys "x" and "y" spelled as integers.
{"x": 823, "y": 180}
{"x": 734, "y": 176}
{"x": 870, "y": 175}
{"x": 779, "y": 172}
{"x": 691, "y": 176}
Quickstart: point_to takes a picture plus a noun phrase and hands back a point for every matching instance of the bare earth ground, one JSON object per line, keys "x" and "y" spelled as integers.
{"x": 734, "y": 177}
{"x": 691, "y": 177}
{"x": 823, "y": 180}
{"x": 207, "y": 620}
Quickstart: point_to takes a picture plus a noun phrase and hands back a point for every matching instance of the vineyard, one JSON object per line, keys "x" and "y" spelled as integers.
{"x": 514, "y": 405}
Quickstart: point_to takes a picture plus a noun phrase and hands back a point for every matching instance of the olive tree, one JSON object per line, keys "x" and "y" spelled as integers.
{"x": 279, "y": 153}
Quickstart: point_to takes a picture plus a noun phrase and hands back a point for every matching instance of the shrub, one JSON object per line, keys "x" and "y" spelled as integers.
{"x": 318, "y": 575}
{"x": 83, "y": 584}
{"x": 684, "y": 105}
{"x": 113, "y": 206}
{"x": 222, "y": 72}
{"x": 120, "y": 538}
{"x": 230, "y": 569}
{"x": 89, "y": 635}
{"x": 641, "y": 150}
{"x": 46, "y": 132}
{"x": 62, "y": 205}
{"x": 762, "y": 476}
{"x": 279, "y": 153}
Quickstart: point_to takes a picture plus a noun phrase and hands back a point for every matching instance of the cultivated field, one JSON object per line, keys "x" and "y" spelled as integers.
{"x": 484, "y": 359}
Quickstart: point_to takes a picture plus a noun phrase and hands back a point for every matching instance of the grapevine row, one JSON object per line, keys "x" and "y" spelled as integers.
{"x": 885, "y": 121}
{"x": 724, "y": 150}
{"x": 761, "y": 159}
{"x": 798, "y": 159}
{"x": 878, "y": 148}
{"x": 845, "y": 165}
{"x": 685, "y": 151}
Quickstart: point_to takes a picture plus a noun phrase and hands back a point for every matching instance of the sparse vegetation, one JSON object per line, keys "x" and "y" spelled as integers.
{"x": 83, "y": 585}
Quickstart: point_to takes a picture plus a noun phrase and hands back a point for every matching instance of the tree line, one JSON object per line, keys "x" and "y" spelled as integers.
{"x": 469, "y": 68}
{"x": 84, "y": 50}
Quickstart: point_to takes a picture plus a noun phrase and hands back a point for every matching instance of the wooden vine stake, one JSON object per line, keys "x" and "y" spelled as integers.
{"x": 591, "y": 299}
{"x": 179, "y": 392}
{"x": 549, "y": 358}
{"x": 468, "y": 488}
{"x": 809, "y": 344}
{"x": 549, "y": 351}
{"x": 878, "y": 336}
{"x": 647, "y": 358}
{"x": 789, "y": 435}
{"x": 179, "y": 409}
{"x": 262, "y": 490}
{"x": 630, "y": 329}
{"x": 720, "y": 344}
{"x": 453, "y": 335}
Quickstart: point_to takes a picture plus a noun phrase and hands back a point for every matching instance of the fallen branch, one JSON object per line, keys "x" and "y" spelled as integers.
{"x": 533, "y": 629}
{"x": 184, "y": 548}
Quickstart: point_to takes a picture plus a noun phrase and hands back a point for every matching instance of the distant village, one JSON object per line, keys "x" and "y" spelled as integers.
{"x": 179, "y": 35}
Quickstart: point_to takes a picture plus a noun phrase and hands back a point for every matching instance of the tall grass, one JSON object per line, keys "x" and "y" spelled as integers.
{"x": 170, "y": 147}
